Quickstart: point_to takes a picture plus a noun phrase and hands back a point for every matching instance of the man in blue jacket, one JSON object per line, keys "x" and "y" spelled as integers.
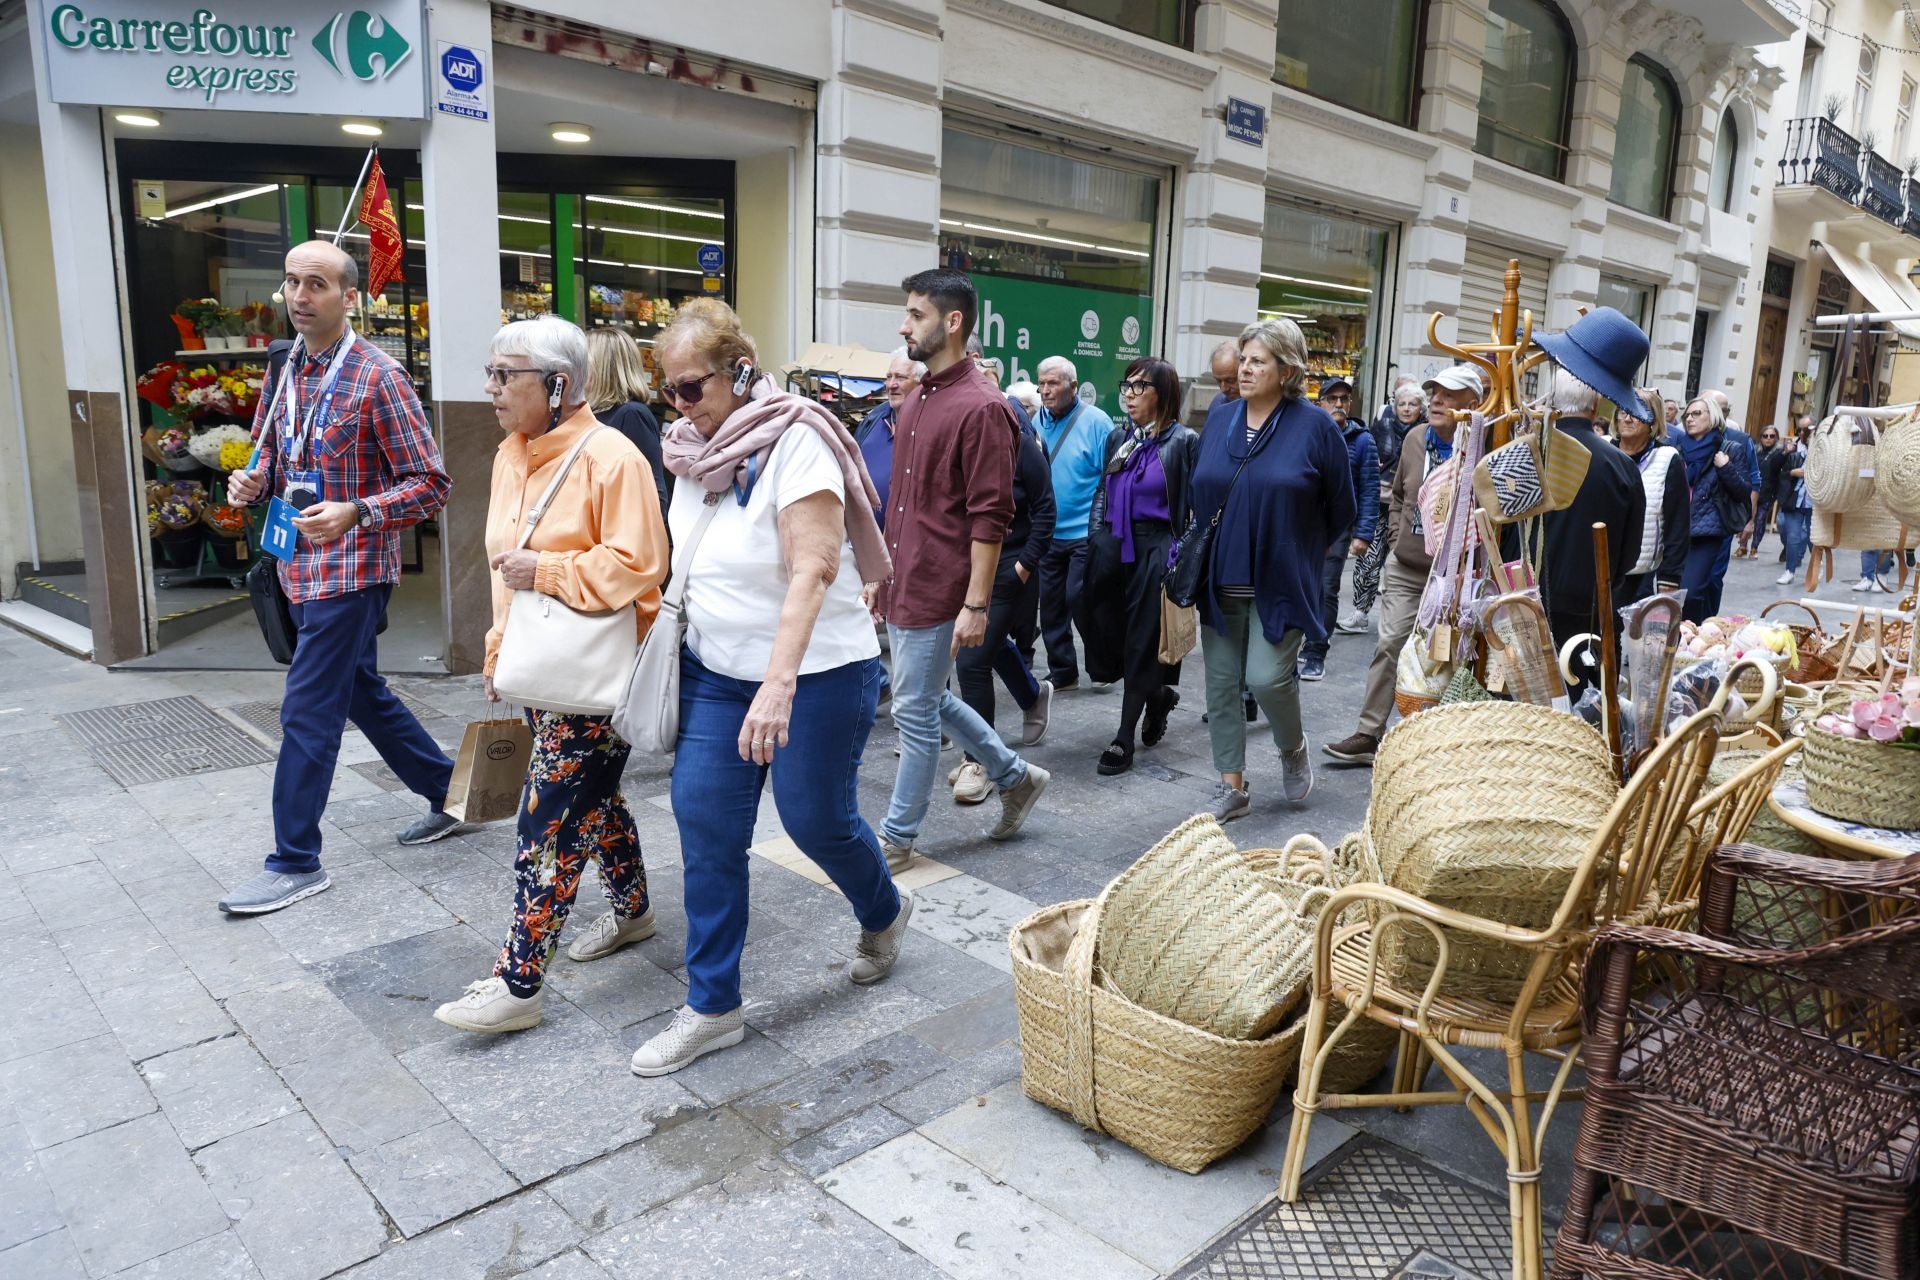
{"x": 1363, "y": 458}
{"x": 1074, "y": 434}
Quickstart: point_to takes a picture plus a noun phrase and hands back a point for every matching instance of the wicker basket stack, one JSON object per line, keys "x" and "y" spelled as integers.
{"x": 1858, "y": 779}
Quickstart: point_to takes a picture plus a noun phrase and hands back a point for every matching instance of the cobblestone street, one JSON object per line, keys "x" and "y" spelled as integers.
{"x": 186, "y": 1095}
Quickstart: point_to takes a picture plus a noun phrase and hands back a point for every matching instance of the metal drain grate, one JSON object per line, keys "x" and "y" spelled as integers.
{"x": 167, "y": 738}
{"x": 1375, "y": 1213}
{"x": 262, "y": 716}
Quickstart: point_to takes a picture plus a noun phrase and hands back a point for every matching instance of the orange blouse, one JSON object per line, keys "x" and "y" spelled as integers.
{"x": 602, "y": 542}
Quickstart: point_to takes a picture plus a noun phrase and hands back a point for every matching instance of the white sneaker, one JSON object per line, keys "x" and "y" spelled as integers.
{"x": 1354, "y": 624}
{"x": 1865, "y": 584}
{"x": 899, "y": 856}
{"x": 1786, "y": 576}
{"x": 488, "y": 1007}
{"x": 970, "y": 785}
{"x": 689, "y": 1035}
{"x": 608, "y": 934}
{"x": 876, "y": 952}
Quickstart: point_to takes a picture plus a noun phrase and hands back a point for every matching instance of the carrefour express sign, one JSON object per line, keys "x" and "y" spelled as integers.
{"x": 250, "y": 55}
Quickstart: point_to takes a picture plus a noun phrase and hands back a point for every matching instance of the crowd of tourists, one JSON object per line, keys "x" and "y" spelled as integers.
{"x": 964, "y": 535}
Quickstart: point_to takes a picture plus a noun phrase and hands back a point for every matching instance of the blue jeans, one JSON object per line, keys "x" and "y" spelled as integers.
{"x": 1705, "y": 572}
{"x": 922, "y": 707}
{"x": 816, "y": 780}
{"x": 1332, "y": 569}
{"x": 333, "y": 679}
{"x": 1796, "y": 529}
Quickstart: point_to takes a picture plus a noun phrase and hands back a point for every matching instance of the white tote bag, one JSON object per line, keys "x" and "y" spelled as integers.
{"x": 648, "y": 715}
{"x": 558, "y": 658}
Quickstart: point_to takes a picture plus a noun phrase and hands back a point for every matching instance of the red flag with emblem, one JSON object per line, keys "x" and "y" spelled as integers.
{"x": 385, "y": 250}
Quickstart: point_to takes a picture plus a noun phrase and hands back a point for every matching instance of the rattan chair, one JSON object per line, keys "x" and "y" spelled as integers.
{"x": 1757, "y": 1112}
{"x": 1634, "y": 853}
{"x": 1722, "y": 816}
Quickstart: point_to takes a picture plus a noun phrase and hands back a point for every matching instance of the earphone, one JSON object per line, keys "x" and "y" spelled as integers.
{"x": 554, "y": 382}
{"x": 743, "y": 375}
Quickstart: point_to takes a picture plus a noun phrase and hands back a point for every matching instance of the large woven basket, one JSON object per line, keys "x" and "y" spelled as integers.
{"x": 1857, "y": 779}
{"x": 1897, "y": 470}
{"x": 1815, "y": 653}
{"x": 1486, "y": 808}
{"x": 1868, "y": 527}
{"x": 1839, "y": 468}
{"x": 1196, "y": 932}
{"x": 1174, "y": 1093}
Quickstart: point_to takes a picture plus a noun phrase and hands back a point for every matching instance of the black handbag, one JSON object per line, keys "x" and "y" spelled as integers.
{"x": 1734, "y": 510}
{"x": 270, "y": 609}
{"x": 1186, "y": 579}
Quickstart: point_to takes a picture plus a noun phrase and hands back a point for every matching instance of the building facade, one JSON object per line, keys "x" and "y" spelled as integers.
{"x": 1119, "y": 176}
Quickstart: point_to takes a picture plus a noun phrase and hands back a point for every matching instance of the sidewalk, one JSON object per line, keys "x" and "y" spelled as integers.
{"x": 191, "y": 1096}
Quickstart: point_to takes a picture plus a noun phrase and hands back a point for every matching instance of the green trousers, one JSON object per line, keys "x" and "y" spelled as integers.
{"x": 1241, "y": 657}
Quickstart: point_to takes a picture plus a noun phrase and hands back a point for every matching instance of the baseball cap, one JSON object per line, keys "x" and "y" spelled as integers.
{"x": 1459, "y": 377}
{"x": 1332, "y": 380}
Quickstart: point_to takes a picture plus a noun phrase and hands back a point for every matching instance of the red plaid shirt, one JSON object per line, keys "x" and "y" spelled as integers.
{"x": 376, "y": 447}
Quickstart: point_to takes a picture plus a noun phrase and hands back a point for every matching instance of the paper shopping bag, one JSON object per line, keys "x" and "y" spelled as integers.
{"x": 490, "y": 770}
{"x": 1179, "y": 629}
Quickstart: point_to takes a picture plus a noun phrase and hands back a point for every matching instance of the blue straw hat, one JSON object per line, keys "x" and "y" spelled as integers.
{"x": 1603, "y": 349}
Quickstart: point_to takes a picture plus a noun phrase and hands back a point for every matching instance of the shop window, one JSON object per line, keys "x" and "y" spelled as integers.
{"x": 1635, "y": 301}
{"x": 1326, "y": 274}
{"x": 1644, "y": 137}
{"x": 1062, "y": 250}
{"x": 639, "y": 256}
{"x": 395, "y": 319}
{"x": 1903, "y": 122}
{"x": 526, "y": 254}
{"x": 1726, "y": 162}
{"x": 1162, "y": 20}
{"x": 1863, "y": 74}
{"x": 1526, "y": 86}
{"x": 1366, "y": 61}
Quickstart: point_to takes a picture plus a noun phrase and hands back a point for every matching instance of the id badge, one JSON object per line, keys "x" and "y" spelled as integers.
{"x": 303, "y": 489}
{"x": 278, "y": 537}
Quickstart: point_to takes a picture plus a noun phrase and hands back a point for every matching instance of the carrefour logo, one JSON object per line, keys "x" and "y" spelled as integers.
{"x": 373, "y": 49}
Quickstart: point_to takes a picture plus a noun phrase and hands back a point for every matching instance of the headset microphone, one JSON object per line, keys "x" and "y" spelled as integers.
{"x": 278, "y": 298}
{"x": 742, "y": 376}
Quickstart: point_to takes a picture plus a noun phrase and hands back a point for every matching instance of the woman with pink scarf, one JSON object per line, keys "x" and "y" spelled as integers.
{"x": 773, "y": 535}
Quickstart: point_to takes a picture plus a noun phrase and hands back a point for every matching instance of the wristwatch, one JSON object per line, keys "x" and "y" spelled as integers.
{"x": 366, "y": 514}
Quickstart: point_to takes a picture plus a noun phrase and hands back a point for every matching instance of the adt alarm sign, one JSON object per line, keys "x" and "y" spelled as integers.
{"x": 460, "y": 88}
{"x": 712, "y": 258}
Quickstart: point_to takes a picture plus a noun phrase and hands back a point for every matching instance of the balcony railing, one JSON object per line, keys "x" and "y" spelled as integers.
{"x": 1819, "y": 153}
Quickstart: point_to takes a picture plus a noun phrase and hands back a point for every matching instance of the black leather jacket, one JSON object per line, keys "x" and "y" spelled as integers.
{"x": 1177, "y": 453}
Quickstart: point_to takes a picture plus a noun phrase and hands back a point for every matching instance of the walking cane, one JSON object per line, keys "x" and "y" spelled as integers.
{"x": 1609, "y": 646}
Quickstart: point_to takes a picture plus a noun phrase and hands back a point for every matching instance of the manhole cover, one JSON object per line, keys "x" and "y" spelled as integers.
{"x": 1374, "y": 1213}
{"x": 167, "y": 738}
{"x": 264, "y": 716}
{"x": 379, "y": 775}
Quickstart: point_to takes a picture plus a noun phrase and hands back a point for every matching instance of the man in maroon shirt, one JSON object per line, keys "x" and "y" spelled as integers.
{"x": 949, "y": 505}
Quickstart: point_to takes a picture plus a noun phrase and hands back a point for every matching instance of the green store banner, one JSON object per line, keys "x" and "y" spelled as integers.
{"x": 1101, "y": 331}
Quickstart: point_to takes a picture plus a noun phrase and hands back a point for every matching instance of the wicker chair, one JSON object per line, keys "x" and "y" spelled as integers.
{"x": 1636, "y": 851}
{"x": 1723, "y": 815}
{"x": 1756, "y": 1114}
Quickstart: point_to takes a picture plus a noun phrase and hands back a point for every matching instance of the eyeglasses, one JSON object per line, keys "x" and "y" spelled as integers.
{"x": 1135, "y": 388}
{"x": 688, "y": 392}
{"x": 502, "y": 374}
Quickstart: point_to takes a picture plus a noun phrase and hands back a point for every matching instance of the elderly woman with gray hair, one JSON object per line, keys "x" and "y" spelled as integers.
{"x": 599, "y": 545}
{"x": 1275, "y": 471}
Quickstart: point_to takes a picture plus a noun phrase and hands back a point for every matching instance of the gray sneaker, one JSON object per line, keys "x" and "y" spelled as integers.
{"x": 434, "y": 826}
{"x": 1230, "y": 802}
{"x": 1296, "y": 773}
{"x": 608, "y": 934}
{"x": 899, "y": 856}
{"x": 689, "y": 1035}
{"x": 273, "y": 890}
{"x": 1017, "y": 801}
{"x": 1033, "y": 726}
{"x": 874, "y": 957}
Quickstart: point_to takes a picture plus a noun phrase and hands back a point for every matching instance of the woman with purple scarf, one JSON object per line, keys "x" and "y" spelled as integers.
{"x": 773, "y": 534}
{"x": 1142, "y": 500}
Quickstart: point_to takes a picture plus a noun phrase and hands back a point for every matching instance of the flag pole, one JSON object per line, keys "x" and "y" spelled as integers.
{"x": 346, "y": 215}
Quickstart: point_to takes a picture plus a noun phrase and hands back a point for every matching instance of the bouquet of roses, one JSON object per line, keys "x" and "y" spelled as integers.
{"x": 156, "y": 384}
{"x": 1892, "y": 718}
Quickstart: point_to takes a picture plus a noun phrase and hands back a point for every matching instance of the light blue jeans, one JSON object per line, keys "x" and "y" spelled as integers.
{"x": 923, "y": 706}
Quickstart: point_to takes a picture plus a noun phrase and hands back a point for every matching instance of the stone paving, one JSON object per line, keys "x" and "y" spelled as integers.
{"x": 186, "y": 1095}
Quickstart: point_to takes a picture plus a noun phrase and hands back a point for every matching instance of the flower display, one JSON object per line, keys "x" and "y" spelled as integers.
{"x": 176, "y": 506}
{"x": 205, "y": 392}
{"x": 175, "y": 451}
{"x": 1892, "y": 718}
{"x": 225, "y": 519}
{"x": 156, "y": 384}
{"x": 209, "y": 445}
{"x": 234, "y": 455}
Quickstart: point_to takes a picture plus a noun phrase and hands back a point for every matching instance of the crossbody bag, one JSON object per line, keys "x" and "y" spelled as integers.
{"x": 648, "y": 714}
{"x": 1186, "y": 579}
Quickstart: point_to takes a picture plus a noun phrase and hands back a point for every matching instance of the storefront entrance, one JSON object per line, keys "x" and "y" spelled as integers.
{"x": 1329, "y": 274}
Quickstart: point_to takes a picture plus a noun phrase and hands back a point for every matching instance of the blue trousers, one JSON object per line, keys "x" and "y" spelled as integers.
{"x": 333, "y": 680}
{"x": 923, "y": 707}
{"x": 816, "y": 781}
{"x": 1705, "y": 573}
{"x": 1796, "y": 528}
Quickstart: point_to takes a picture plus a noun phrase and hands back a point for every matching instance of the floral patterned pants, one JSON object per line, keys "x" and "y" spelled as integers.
{"x": 571, "y": 810}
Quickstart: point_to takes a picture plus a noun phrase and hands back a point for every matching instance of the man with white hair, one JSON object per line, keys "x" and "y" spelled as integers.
{"x": 1074, "y": 434}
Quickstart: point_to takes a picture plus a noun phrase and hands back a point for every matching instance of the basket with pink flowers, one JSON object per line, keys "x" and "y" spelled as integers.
{"x": 1862, "y": 758}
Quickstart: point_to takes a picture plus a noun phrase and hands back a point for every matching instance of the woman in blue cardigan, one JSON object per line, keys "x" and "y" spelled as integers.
{"x": 1292, "y": 497}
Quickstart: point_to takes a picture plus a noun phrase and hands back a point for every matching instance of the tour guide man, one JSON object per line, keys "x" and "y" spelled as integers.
{"x": 345, "y": 432}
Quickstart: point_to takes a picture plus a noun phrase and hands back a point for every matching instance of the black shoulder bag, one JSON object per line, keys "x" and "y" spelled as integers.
{"x": 1186, "y": 579}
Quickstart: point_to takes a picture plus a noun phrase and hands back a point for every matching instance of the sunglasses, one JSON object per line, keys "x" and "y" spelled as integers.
{"x": 688, "y": 392}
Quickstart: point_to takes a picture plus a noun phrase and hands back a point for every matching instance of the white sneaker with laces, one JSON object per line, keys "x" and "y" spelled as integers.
{"x": 608, "y": 934}
{"x": 970, "y": 785}
{"x": 688, "y": 1036}
{"x": 1865, "y": 584}
{"x": 875, "y": 953}
{"x": 1786, "y": 576}
{"x": 489, "y": 1007}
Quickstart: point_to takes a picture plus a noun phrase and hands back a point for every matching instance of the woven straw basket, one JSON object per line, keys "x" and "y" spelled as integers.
{"x": 1835, "y": 463}
{"x": 1868, "y": 527}
{"x": 1857, "y": 779}
{"x": 1897, "y": 470}
{"x": 1486, "y": 808}
{"x": 1174, "y": 1093}
{"x": 1196, "y": 932}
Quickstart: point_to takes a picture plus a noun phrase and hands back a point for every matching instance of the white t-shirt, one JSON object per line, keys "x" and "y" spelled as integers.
{"x": 738, "y": 582}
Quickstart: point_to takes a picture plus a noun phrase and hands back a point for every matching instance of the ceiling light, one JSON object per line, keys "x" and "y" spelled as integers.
{"x": 562, "y": 131}
{"x": 362, "y": 128}
{"x": 1318, "y": 284}
{"x": 1029, "y": 237}
{"x": 142, "y": 119}
{"x": 228, "y": 198}
{"x": 659, "y": 208}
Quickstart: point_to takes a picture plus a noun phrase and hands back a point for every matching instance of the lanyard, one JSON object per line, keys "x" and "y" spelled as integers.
{"x": 298, "y": 434}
